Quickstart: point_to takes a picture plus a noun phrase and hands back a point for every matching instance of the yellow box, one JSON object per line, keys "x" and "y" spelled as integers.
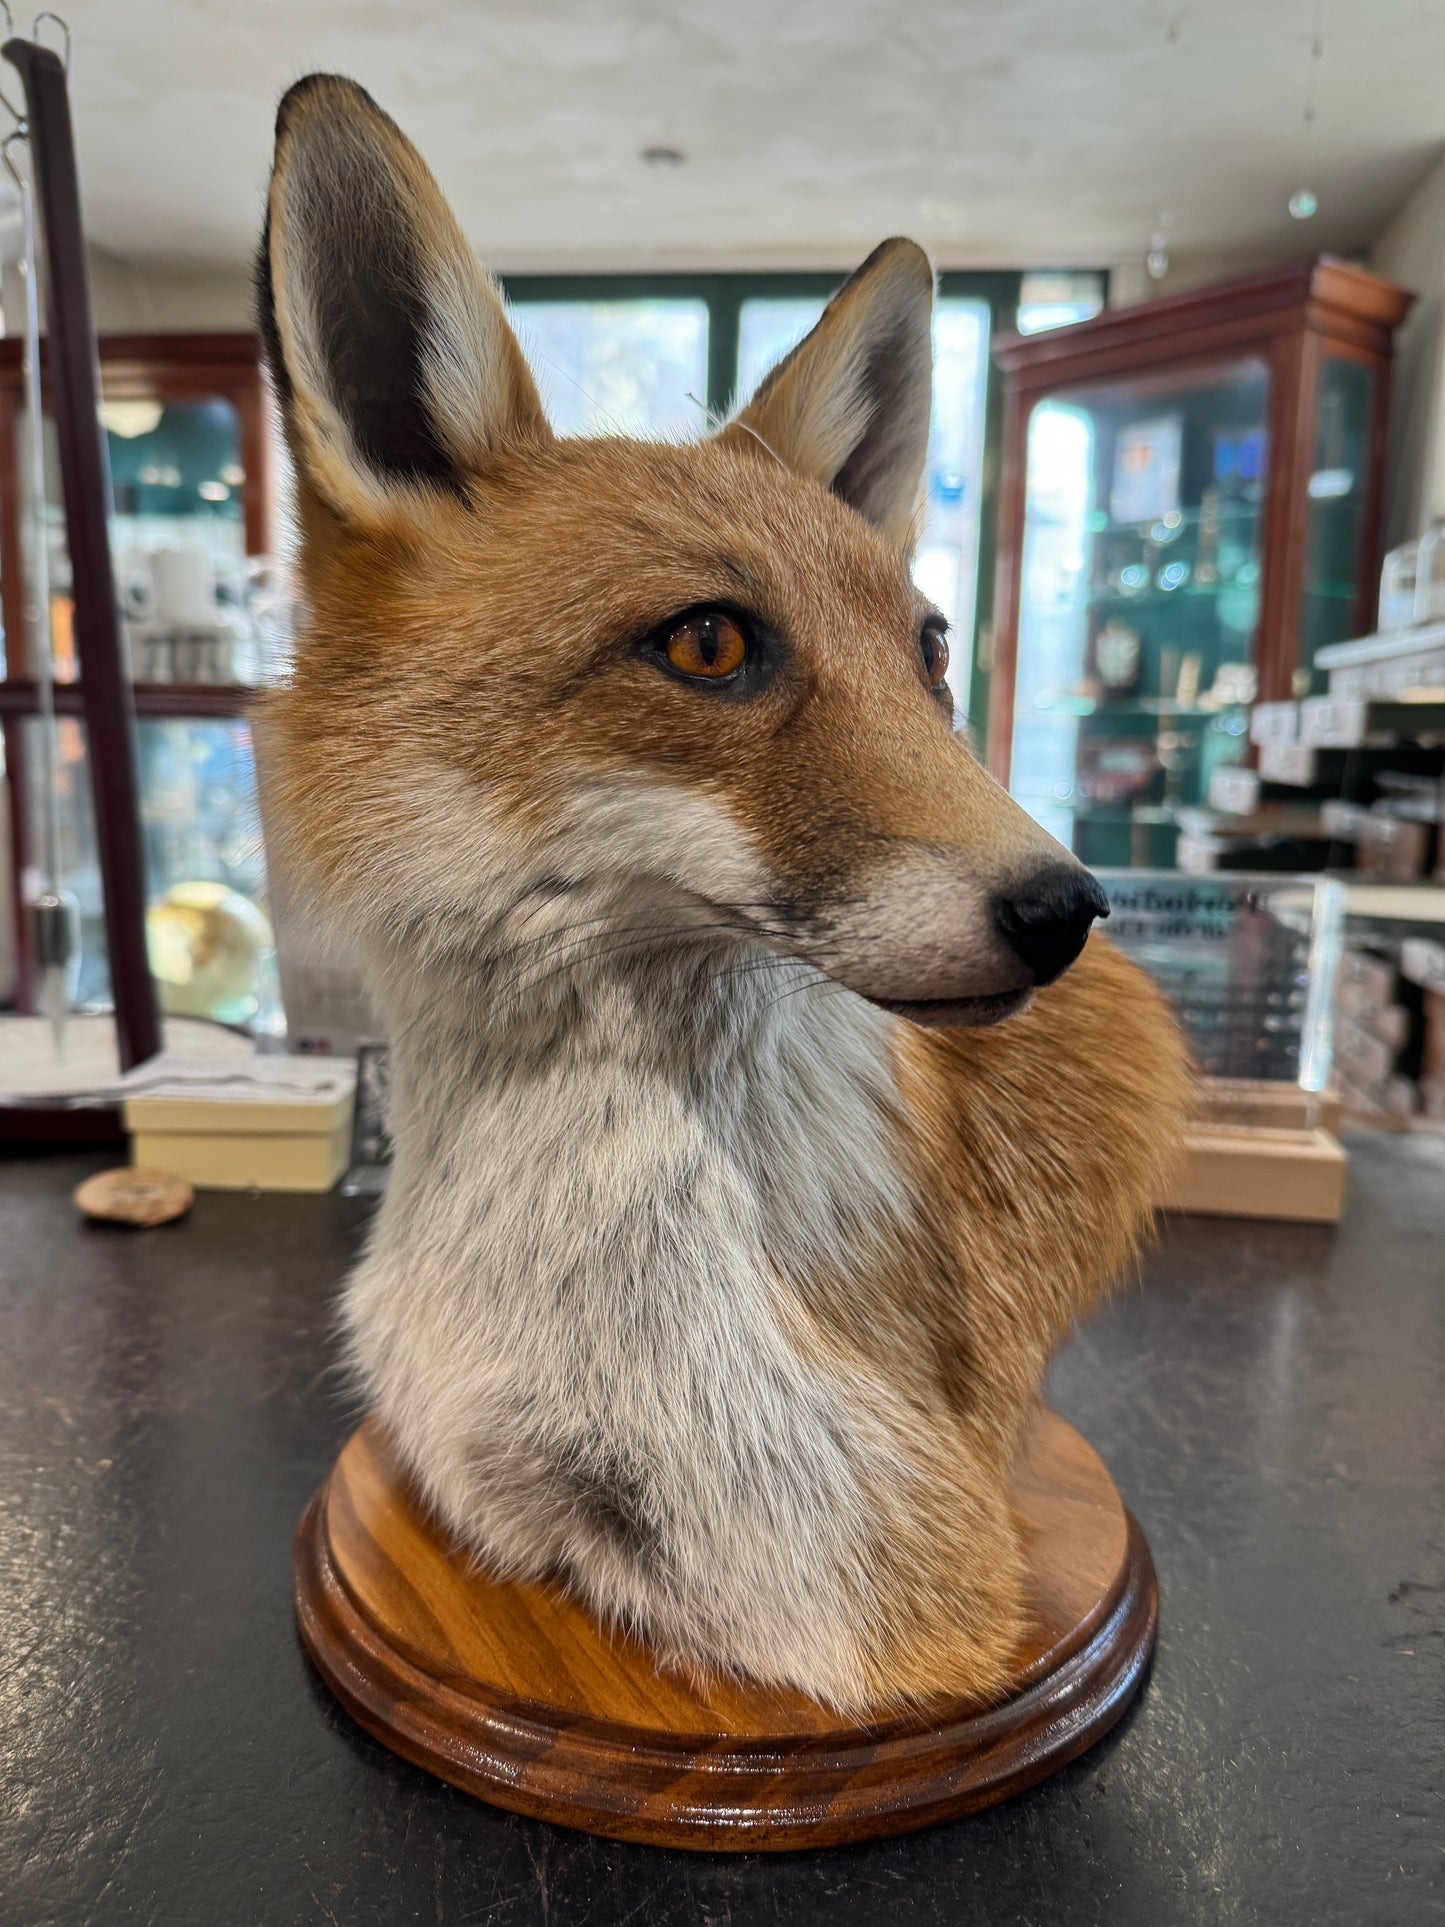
{"x": 248, "y": 1161}
{"x": 254, "y": 1137}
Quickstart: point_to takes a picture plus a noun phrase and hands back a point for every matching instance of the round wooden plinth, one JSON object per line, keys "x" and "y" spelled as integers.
{"x": 515, "y": 1694}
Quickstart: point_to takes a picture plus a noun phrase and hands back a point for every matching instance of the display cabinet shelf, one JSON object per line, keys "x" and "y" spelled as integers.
{"x": 20, "y": 697}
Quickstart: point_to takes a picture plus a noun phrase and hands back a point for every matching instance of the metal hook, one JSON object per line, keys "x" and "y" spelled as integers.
{"x": 18, "y": 118}
{"x": 15, "y": 134}
{"x": 35, "y": 33}
{"x": 22, "y": 188}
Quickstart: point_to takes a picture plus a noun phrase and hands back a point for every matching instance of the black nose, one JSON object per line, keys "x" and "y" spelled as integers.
{"x": 1047, "y": 921}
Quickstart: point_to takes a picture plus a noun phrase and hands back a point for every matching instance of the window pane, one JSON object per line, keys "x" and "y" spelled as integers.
{"x": 617, "y": 367}
{"x": 767, "y": 329}
{"x": 1053, "y": 300}
{"x": 945, "y": 564}
{"x": 178, "y": 537}
{"x": 194, "y": 607}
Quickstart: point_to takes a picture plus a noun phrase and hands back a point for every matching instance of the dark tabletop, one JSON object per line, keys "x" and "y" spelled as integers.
{"x": 1270, "y": 1403}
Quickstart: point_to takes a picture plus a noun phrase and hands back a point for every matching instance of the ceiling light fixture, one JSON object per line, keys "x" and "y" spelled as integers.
{"x": 1157, "y": 259}
{"x": 128, "y": 419}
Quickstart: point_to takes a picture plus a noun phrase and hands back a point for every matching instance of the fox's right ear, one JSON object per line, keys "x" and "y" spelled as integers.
{"x": 388, "y": 345}
{"x": 850, "y": 405}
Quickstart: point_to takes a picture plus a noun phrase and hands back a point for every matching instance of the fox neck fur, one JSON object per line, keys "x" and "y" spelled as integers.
{"x": 584, "y": 1306}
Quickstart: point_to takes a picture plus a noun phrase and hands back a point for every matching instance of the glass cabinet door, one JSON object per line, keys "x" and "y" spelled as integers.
{"x": 188, "y": 592}
{"x": 1336, "y": 523}
{"x": 178, "y": 539}
{"x": 1139, "y": 604}
{"x": 207, "y": 925}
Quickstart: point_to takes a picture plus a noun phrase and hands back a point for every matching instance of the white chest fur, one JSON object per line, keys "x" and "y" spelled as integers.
{"x": 576, "y": 1314}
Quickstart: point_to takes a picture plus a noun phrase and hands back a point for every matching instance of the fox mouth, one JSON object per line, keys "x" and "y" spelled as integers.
{"x": 958, "y": 1013}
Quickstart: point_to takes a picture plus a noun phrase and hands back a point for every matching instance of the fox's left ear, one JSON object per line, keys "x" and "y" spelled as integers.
{"x": 389, "y": 347}
{"x": 850, "y": 405}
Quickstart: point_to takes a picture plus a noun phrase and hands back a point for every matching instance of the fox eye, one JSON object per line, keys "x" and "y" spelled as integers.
{"x": 933, "y": 647}
{"x": 709, "y": 644}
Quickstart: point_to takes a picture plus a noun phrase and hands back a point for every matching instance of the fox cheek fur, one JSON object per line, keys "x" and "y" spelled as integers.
{"x": 729, "y": 1231}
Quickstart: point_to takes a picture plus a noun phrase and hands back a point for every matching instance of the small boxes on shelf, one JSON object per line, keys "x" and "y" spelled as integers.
{"x": 1392, "y": 848}
{"x": 1422, "y": 961}
{"x": 1333, "y": 722}
{"x": 1274, "y": 723}
{"x": 1234, "y": 789}
{"x": 1291, "y": 763}
{"x": 1390, "y": 1021}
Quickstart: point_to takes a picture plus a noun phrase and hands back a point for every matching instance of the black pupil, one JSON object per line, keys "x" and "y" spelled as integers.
{"x": 930, "y": 653}
{"x": 709, "y": 640}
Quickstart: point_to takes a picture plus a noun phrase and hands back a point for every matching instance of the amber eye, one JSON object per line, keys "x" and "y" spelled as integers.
{"x": 933, "y": 646}
{"x": 710, "y": 645}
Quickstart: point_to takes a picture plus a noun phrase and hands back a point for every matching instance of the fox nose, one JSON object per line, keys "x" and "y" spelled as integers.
{"x": 1046, "y": 922}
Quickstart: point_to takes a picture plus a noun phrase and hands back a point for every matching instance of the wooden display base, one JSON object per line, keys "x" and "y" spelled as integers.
{"x": 513, "y": 1693}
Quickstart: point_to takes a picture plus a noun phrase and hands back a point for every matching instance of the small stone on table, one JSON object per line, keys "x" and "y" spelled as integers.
{"x": 138, "y": 1195}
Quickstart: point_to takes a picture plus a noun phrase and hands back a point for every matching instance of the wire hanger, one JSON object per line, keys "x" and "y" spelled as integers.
{"x": 21, "y": 128}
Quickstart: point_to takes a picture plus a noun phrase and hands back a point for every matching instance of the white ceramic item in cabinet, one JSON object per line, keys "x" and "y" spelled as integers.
{"x": 1398, "y": 585}
{"x": 1430, "y": 575}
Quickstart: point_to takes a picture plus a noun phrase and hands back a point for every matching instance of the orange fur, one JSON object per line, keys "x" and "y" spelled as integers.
{"x": 500, "y": 633}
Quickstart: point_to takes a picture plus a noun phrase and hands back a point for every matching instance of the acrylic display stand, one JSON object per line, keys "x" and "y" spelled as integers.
{"x": 513, "y": 1692}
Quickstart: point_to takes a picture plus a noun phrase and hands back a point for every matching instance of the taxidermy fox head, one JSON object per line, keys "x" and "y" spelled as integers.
{"x": 690, "y": 688}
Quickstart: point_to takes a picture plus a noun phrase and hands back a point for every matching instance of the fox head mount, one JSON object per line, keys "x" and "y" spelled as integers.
{"x": 710, "y": 658}
{"x": 729, "y": 1231}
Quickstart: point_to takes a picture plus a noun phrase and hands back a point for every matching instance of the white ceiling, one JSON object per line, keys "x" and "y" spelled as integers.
{"x": 1037, "y": 132}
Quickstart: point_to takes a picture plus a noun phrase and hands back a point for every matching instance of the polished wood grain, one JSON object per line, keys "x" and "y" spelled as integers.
{"x": 514, "y": 1693}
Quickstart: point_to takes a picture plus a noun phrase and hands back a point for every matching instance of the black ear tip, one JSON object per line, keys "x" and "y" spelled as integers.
{"x": 301, "y": 94}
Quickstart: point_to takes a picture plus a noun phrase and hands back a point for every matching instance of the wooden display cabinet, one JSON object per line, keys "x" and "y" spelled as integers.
{"x": 1190, "y": 511}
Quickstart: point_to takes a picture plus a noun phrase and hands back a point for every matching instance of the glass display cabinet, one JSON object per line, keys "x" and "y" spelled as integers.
{"x": 1190, "y": 510}
{"x": 190, "y": 444}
